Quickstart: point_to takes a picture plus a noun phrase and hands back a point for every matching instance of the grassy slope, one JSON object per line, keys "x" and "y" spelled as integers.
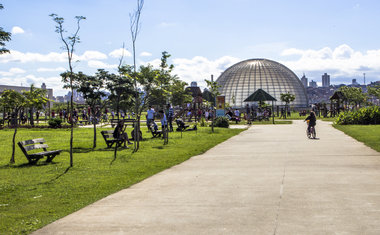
{"x": 33, "y": 196}
{"x": 368, "y": 134}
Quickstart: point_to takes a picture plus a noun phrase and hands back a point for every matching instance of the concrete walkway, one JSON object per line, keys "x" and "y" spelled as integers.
{"x": 268, "y": 180}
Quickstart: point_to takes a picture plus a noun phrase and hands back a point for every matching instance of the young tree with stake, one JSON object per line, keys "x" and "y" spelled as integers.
{"x": 69, "y": 45}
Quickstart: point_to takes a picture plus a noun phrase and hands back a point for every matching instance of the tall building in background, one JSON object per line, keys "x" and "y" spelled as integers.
{"x": 304, "y": 81}
{"x": 325, "y": 80}
{"x": 313, "y": 84}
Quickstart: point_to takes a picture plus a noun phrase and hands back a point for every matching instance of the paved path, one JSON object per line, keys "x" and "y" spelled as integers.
{"x": 268, "y": 180}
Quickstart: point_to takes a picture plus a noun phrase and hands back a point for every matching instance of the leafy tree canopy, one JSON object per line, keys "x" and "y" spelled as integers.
{"x": 4, "y": 37}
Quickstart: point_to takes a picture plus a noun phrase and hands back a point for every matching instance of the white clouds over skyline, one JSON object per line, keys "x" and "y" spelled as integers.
{"x": 145, "y": 54}
{"x": 200, "y": 68}
{"x": 12, "y": 72}
{"x": 342, "y": 62}
{"x": 21, "y": 57}
{"x": 120, "y": 52}
{"x": 17, "y": 30}
{"x": 96, "y": 64}
{"x": 59, "y": 69}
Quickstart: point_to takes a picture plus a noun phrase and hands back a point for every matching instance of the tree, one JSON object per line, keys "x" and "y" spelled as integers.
{"x": 134, "y": 29}
{"x": 213, "y": 88}
{"x": 35, "y": 98}
{"x": 4, "y": 37}
{"x": 69, "y": 45}
{"x": 375, "y": 91}
{"x": 92, "y": 88}
{"x": 353, "y": 95}
{"x": 121, "y": 89}
{"x": 167, "y": 85}
{"x": 179, "y": 94}
{"x": 15, "y": 101}
{"x": 287, "y": 98}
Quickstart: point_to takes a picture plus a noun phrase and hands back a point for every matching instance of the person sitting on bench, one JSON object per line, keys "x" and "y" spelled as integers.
{"x": 119, "y": 133}
{"x": 181, "y": 125}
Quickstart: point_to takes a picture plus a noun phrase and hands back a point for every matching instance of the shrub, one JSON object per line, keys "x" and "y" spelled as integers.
{"x": 363, "y": 116}
{"x": 221, "y": 122}
{"x": 55, "y": 122}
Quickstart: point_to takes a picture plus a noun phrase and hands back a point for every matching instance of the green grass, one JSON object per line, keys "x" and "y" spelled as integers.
{"x": 296, "y": 116}
{"x": 368, "y": 134}
{"x": 34, "y": 196}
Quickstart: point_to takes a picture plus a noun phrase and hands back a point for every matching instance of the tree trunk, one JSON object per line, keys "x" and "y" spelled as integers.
{"x": 12, "y": 161}
{"x": 94, "y": 145}
{"x": 72, "y": 124}
{"x": 31, "y": 117}
{"x": 212, "y": 119}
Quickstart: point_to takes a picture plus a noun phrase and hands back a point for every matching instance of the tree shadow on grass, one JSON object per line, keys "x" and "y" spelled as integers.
{"x": 26, "y": 165}
{"x": 158, "y": 147}
{"x": 79, "y": 150}
{"x": 115, "y": 154}
{"x": 55, "y": 178}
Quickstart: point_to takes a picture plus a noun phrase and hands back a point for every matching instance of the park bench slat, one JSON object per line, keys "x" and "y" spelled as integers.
{"x": 36, "y": 146}
{"x": 34, "y": 141}
{"x": 46, "y": 153}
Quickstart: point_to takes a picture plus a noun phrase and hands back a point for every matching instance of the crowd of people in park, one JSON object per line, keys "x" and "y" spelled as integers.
{"x": 166, "y": 114}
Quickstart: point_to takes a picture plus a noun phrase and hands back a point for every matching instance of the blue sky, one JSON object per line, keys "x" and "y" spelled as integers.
{"x": 204, "y": 37}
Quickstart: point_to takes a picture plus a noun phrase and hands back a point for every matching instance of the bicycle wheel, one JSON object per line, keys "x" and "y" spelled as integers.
{"x": 308, "y": 133}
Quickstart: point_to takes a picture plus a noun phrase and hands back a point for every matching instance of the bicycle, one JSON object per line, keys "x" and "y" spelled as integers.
{"x": 310, "y": 133}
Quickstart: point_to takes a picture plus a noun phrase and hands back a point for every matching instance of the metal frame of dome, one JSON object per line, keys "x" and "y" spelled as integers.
{"x": 242, "y": 79}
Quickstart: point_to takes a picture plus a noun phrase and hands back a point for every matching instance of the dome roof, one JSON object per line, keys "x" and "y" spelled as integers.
{"x": 242, "y": 79}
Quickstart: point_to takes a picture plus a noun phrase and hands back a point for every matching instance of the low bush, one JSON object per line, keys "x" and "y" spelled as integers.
{"x": 55, "y": 122}
{"x": 221, "y": 122}
{"x": 363, "y": 116}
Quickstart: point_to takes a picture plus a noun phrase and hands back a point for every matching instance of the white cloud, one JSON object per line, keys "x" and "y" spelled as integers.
{"x": 12, "y": 72}
{"x": 17, "y": 30}
{"x": 145, "y": 54}
{"x": 167, "y": 25}
{"x": 101, "y": 65}
{"x": 119, "y": 52}
{"x": 200, "y": 68}
{"x": 51, "y": 82}
{"x": 342, "y": 61}
{"x": 17, "y": 56}
{"x": 93, "y": 55}
{"x": 59, "y": 69}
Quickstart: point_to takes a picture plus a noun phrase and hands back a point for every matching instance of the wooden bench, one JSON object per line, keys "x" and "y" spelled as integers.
{"x": 110, "y": 140}
{"x": 114, "y": 121}
{"x": 155, "y": 133}
{"x": 29, "y": 145}
{"x": 83, "y": 122}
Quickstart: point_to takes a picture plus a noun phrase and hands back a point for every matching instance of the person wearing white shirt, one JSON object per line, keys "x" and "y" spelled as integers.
{"x": 150, "y": 115}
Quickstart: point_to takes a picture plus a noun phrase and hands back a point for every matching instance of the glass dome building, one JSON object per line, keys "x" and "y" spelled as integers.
{"x": 242, "y": 79}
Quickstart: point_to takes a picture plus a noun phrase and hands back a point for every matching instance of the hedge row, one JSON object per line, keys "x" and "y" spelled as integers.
{"x": 363, "y": 116}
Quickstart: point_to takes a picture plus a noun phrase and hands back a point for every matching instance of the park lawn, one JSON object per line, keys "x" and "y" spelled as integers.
{"x": 270, "y": 122}
{"x": 34, "y": 196}
{"x": 368, "y": 134}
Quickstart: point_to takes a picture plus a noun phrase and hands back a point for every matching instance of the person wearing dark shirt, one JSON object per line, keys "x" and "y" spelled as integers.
{"x": 119, "y": 133}
{"x": 312, "y": 120}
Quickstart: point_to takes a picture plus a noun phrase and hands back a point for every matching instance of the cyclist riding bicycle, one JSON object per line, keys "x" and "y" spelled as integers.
{"x": 312, "y": 121}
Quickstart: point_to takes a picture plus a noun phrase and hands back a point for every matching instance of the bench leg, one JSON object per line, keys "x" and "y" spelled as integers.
{"x": 50, "y": 158}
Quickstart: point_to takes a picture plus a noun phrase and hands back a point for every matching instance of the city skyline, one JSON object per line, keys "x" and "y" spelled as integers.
{"x": 203, "y": 37}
